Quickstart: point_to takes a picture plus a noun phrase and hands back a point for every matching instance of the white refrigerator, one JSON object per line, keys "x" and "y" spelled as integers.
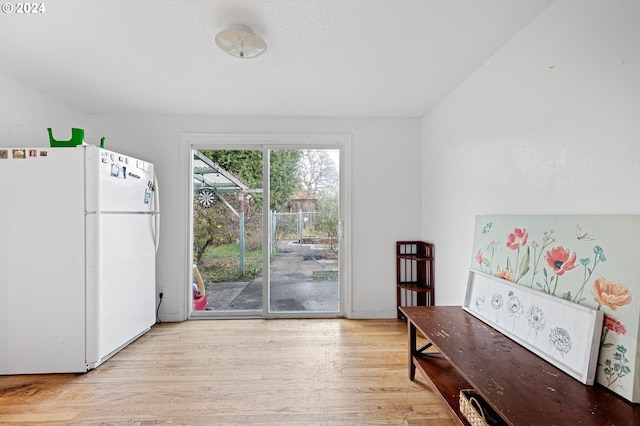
{"x": 78, "y": 239}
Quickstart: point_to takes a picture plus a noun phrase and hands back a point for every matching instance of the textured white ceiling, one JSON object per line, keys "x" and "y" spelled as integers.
{"x": 360, "y": 58}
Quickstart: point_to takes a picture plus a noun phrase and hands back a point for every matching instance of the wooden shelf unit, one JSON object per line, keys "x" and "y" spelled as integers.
{"x": 414, "y": 275}
{"x": 521, "y": 388}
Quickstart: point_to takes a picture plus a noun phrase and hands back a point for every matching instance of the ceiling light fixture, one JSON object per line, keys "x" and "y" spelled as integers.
{"x": 241, "y": 42}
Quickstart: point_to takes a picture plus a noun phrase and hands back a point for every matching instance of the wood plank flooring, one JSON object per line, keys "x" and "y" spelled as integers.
{"x": 238, "y": 372}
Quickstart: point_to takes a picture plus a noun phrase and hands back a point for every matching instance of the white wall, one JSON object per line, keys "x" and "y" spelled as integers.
{"x": 385, "y": 194}
{"x": 25, "y": 115}
{"x": 549, "y": 125}
{"x": 385, "y": 175}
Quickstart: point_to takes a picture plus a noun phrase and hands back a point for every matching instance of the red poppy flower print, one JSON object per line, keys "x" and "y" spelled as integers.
{"x": 518, "y": 238}
{"x": 560, "y": 260}
{"x": 614, "y": 325}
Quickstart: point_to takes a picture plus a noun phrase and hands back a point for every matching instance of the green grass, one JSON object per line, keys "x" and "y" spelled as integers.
{"x": 223, "y": 264}
{"x": 324, "y": 275}
{"x": 231, "y": 250}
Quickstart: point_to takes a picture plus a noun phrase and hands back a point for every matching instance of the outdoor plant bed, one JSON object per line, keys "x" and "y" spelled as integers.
{"x": 324, "y": 275}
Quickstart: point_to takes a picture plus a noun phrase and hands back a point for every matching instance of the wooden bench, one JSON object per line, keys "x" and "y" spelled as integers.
{"x": 462, "y": 352}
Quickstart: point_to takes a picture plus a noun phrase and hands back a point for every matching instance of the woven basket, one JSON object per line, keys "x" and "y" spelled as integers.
{"x": 476, "y": 410}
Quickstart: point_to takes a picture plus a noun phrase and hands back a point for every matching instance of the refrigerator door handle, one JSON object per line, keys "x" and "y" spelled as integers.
{"x": 156, "y": 209}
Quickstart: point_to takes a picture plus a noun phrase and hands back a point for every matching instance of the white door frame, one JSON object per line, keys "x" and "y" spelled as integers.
{"x": 272, "y": 141}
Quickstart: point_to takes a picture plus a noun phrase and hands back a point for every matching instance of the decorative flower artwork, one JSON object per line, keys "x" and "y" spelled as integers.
{"x": 535, "y": 319}
{"x": 480, "y": 304}
{"x": 560, "y": 260}
{"x": 588, "y": 260}
{"x": 560, "y": 339}
{"x": 610, "y": 294}
{"x": 559, "y": 331}
{"x": 611, "y": 325}
{"x": 617, "y": 367}
{"x": 496, "y": 303}
{"x": 514, "y": 307}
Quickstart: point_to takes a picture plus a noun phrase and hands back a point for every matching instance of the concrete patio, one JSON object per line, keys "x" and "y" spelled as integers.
{"x": 293, "y": 288}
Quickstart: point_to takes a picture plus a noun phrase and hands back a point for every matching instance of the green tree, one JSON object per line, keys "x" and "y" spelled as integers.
{"x": 327, "y": 220}
{"x": 218, "y": 225}
{"x": 215, "y": 226}
{"x": 283, "y": 176}
{"x": 246, "y": 165}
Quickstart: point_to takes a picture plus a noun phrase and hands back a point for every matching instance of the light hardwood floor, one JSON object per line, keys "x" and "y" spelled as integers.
{"x": 244, "y": 372}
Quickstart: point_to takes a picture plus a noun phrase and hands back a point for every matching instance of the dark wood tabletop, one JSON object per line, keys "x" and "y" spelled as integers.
{"x": 522, "y": 387}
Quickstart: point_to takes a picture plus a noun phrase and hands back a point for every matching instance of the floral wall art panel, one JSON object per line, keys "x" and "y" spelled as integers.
{"x": 586, "y": 260}
{"x": 565, "y": 334}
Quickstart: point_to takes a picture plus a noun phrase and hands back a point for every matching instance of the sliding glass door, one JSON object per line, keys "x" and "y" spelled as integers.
{"x": 304, "y": 224}
{"x": 271, "y": 252}
{"x": 227, "y": 232}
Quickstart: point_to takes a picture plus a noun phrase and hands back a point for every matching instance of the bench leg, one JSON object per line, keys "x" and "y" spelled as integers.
{"x": 412, "y": 348}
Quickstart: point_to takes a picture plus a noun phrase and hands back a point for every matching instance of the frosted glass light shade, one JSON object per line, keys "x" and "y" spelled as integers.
{"x": 241, "y": 42}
